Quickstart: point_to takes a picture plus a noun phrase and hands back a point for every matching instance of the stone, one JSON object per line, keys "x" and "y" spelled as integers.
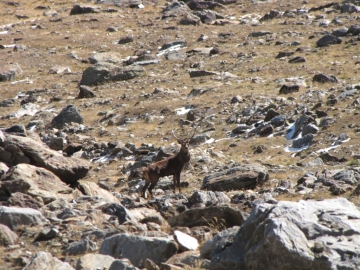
{"x": 175, "y": 56}
{"x": 201, "y": 73}
{"x": 309, "y": 129}
{"x": 120, "y": 212}
{"x": 122, "y": 264}
{"x": 9, "y": 72}
{"x": 349, "y": 8}
{"x": 137, "y": 248}
{"x": 3, "y": 168}
{"x": 303, "y": 141}
{"x": 354, "y": 29}
{"x": 340, "y": 32}
{"x": 271, "y": 15}
{"x": 284, "y": 54}
{"x": 288, "y": 89}
{"x": 43, "y": 261}
{"x": 77, "y": 9}
{"x": 22, "y": 200}
{"x": 208, "y": 198}
{"x": 185, "y": 242}
{"x": 270, "y": 114}
{"x": 240, "y": 177}
{"x": 297, "y": 59}
{"x": 190, "y": 19}
{"x": 15, "y": 217}
{"x": 322, "y": 78}
{"x": 266, "y": 130}
{"x": 201, "y": 5}
{"x": 126, "y": 39}
{"x": 297, "y": 235}
{"x": 34, "y": 181}
{"x": 106, "y": 57}
{"x": 80, "y": 247}
{"x": 68, "y": 169}
{"x": 92, "y": 189}
{"x": 219, "y": 217}
{"x": 7, "y": 236}
{"x": 104, "y": 72}
{"x": 85, "y": 92}
{"x": 222, "y": 239}
{"x": 278, "y": 120}
{"x": 260, "y": 33}
{"x": 94, "y": 261}
{"x": 46, "y": 234}
{"x": 189, "y": 259}
{"x": 59, "y": 69}
{"x": 328, "y": 40}
{"x": 348, "y": 176}
{"x": 69, "y": 114}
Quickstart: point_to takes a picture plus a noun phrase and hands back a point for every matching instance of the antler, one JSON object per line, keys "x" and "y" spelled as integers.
{"x": 193, "y": 133}
{"x": 173, "y": 133}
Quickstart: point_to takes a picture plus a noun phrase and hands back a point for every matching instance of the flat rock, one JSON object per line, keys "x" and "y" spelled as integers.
{"x": 94, "y": 261}
{"x": 208, "y": 197}
{"x": 93, "y": 189}
{"x": 14, "y": 217}
{"x": 34, "y": 181}
{"x": 68, "y": 169}
{"x": 43, "y": 261}
{"x": 222, "y": 216}
{"x": 322, "y": 78}
{"x": 104, "y": 72}
{"x": 136, "y": 248}
{"x": 106, "y": 57}
{"x": 185, "y": 241}
{"x": 240, "y": 177}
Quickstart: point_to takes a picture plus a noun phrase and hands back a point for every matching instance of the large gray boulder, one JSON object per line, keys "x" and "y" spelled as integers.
{"x": 93, "y": 189}
{"x": 216, "y": 216}
{"x": 137, "y": 248}
{"x": 240, "y": 177}
{"x": 14, "y": 217}
{"x": 68, "y": 169}
{"x": 103, "y": 72}
{"x": 34, "y": 181}
{"x": 328, "y": 40}
{"x": 316, "y": 235}
{"x": 43, "y": 261}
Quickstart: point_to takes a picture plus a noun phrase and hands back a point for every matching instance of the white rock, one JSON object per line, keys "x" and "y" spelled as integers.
{"x": 185, "y": 242}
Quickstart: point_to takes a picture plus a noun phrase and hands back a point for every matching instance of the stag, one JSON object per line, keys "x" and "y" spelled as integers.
{"x": 172, "y": 165}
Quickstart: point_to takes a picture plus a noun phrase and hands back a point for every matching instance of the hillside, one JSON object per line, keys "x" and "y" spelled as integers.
{"x": 91, "y": 90}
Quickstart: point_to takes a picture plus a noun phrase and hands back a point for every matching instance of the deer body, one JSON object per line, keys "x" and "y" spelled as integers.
{"x": 172, "y": 165}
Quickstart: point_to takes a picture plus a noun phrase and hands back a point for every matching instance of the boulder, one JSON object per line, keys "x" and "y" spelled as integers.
{"x": 34, "y": 181}
{"x": 137, "y": 248}
{"x": 68, "y": 169}
{"x": 15, "y": 217}
{"x": 215, "y": 216}
{"x": 294, "y": 235}
{"x": 94, "y": 261}
{"x": 303, "y": 141}
{"x": 18, "y": 199}
{"x": 77, "y": 9}
{"x": 106, "y": 57}
{"x": 85, "y": 92}
{"x": 120, "y": 212}
{"x": 93, "y": 189}
{"x": 322, "y": 78}
{"x": 7, "y": 236}
{"x": 9, "y": 72}
{"x": 103, "y": 72}
{"x": 43, "y": 261}
{"x": 80, "y": 247}
{"x": 348, "y": 176}
{"x": 328, "y": 40}
{"x": 67, "y": 115}
{"x": 288, "y": 89}
{"x": 209, "y": 197}
{"x": 240, "y": 177}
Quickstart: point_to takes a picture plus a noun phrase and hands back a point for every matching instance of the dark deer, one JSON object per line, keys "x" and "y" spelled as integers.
{"x": 172, "y": 165}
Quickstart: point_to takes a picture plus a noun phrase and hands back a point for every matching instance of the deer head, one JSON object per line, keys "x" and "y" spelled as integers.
{"x": 185, "y": 143}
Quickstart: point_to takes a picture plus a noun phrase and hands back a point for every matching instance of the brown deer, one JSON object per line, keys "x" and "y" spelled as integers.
{"x": 172, "y": 165}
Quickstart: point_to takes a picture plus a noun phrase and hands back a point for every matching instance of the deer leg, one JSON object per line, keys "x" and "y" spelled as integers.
{"x": 174, "y": 181}
{"x": 150, "y": 189}
{"x": 178, "y": 181}
{"x": 145, "y": 188}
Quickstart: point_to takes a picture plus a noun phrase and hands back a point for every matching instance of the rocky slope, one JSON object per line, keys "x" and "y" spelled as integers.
{"x": 91, "y": 93}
